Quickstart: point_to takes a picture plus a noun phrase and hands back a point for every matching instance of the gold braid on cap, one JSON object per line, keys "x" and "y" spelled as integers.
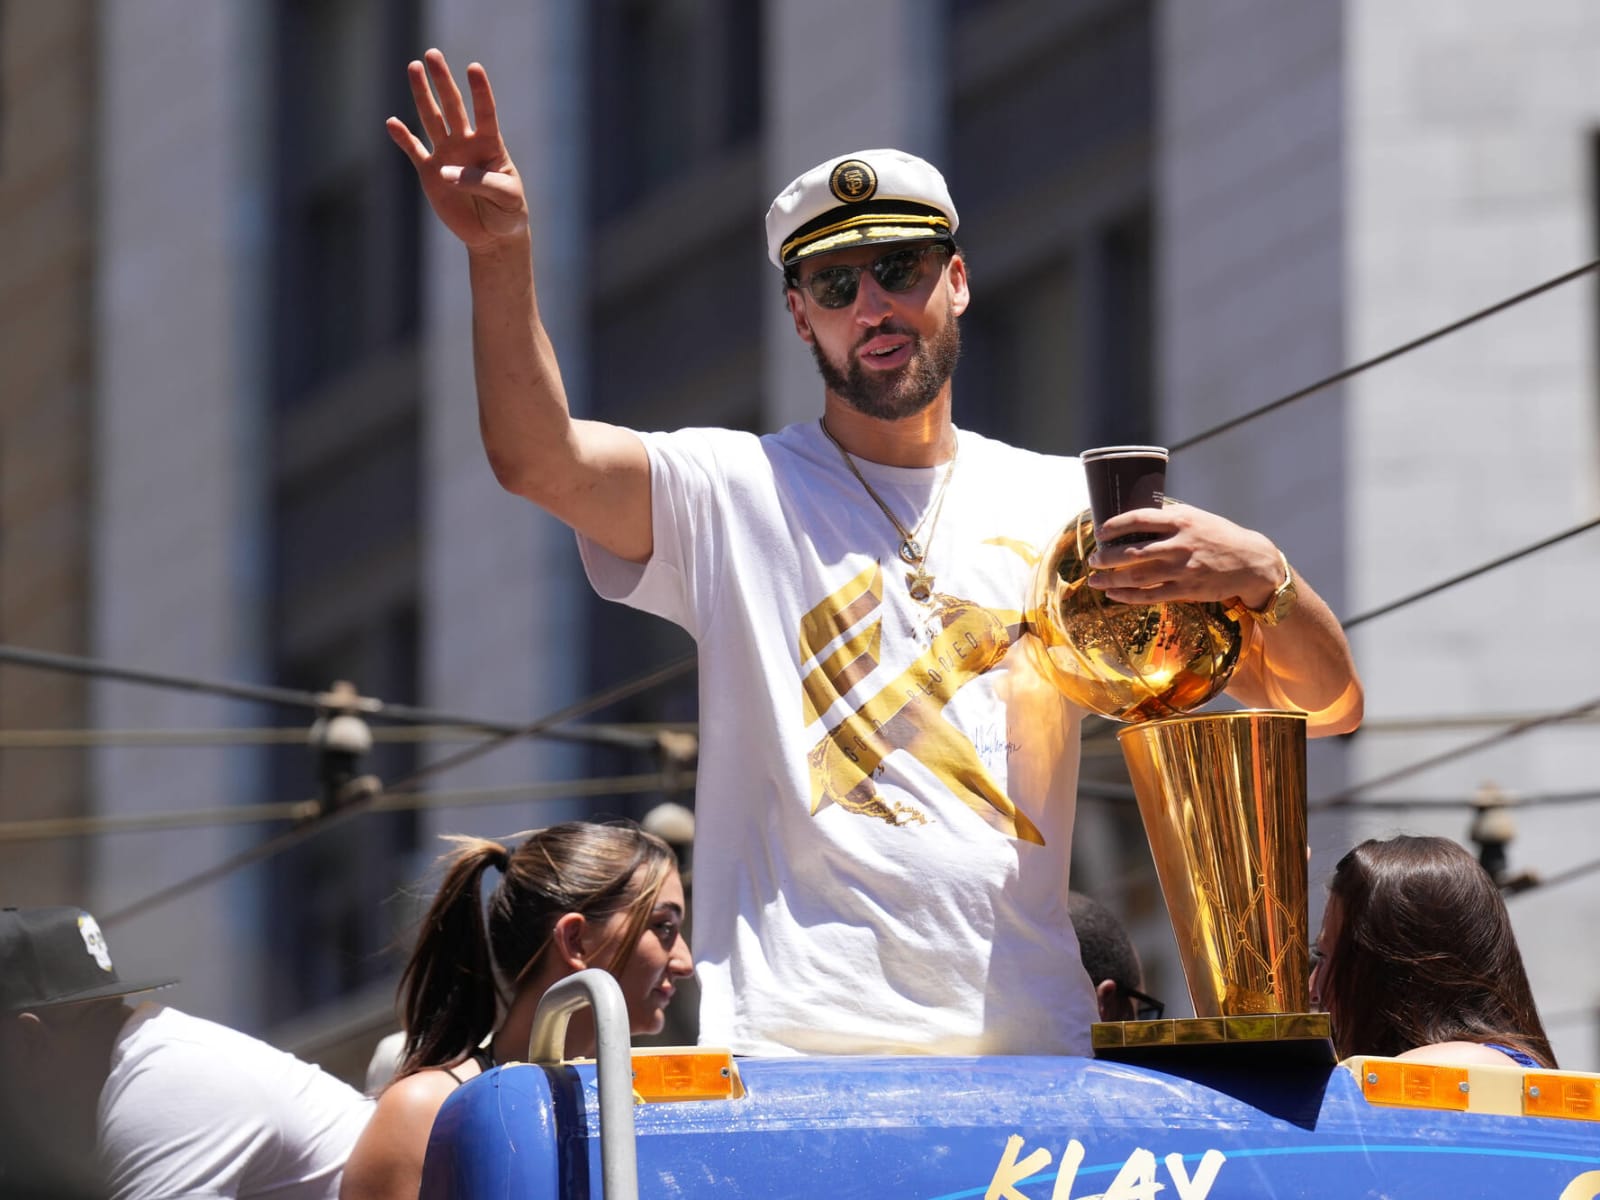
{"x": 895, "y": 224}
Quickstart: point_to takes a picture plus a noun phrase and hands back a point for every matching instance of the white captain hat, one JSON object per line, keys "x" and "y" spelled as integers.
{"x": 858, "y": 199}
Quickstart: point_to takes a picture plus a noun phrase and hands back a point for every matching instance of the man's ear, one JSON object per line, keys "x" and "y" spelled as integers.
{"x": 24, "y": 1038}
{"x": 567, "y": 940}
{"x": 1105, "y": 995}
{"x": 960, "y": 297}
{"x": 802, "y": 321}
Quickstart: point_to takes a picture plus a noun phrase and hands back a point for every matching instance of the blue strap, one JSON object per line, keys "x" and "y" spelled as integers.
{"x": 1520, "y": 1057}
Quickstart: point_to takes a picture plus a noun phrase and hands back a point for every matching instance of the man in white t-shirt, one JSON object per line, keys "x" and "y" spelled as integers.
{"x": 886, "y": 786}
{"x": 101, "y": 1099}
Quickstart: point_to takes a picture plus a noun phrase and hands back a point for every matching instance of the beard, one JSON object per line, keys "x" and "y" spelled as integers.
{"x": 895, "y": 395}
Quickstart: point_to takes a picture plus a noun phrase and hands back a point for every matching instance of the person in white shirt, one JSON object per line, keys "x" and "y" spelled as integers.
{"x": 147, "y": 1102}
{"x": 886, "y": 787}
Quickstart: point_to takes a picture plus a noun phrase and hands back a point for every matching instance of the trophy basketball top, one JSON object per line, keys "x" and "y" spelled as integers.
{"x": 1130, "y": 662}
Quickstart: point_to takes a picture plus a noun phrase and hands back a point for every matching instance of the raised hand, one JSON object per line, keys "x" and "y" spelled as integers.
{"x": 468, "y": 177}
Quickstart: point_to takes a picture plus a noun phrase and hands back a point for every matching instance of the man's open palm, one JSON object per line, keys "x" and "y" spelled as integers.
{"x": 468, "y": 177}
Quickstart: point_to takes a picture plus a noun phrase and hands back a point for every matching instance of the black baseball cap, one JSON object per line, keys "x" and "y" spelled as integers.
{"x": 57, "y": 956}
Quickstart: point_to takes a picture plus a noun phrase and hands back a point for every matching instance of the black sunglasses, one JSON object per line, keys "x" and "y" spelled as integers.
{"x": 900, "y": 270}
{"x": 1145, "y": 1008}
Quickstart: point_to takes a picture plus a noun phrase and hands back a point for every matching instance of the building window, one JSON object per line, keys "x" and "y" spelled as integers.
{"x": 347, "y": 239}
{"x": 346, "y": 467}
{"x": 672, "y": 82}
{"x": 1051, "y": 126}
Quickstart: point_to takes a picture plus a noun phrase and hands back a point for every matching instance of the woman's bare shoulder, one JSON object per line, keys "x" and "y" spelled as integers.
{"x": 427, "y": 1088}
{"x": 1458, "y": 1054}
{"x": 386, "y": 1163}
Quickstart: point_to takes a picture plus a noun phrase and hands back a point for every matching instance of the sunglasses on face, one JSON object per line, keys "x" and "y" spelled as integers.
{"x": 1145, "y": 1008}
{"x": 897, "y": 271}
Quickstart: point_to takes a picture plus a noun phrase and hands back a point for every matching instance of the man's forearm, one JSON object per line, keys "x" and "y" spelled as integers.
{"x": 1304, "y": 664}
{"x": 522, "y": 405}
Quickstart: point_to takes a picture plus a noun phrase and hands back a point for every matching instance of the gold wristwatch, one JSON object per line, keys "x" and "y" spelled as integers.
{"x": 1279, "y": 605}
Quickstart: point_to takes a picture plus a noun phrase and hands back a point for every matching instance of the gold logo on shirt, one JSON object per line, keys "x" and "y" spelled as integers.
{"x": 908, "y": 713}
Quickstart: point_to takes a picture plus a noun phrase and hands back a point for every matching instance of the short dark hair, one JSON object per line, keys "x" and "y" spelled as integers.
{"x": 1424, "y": 952}
{"x": 1104, "y": 944}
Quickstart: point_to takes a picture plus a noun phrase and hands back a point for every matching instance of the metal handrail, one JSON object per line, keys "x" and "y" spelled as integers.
{"x": 619, "y": 1167}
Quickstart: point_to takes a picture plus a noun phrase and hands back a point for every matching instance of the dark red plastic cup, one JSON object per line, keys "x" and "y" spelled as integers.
{"x": 1122, "y": 478}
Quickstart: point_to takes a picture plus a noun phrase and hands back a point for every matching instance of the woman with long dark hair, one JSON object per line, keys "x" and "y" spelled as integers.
{"x": 571, "y": 896}
{"x": 1416, "y": 959}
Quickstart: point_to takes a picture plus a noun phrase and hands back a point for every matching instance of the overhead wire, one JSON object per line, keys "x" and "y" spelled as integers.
{"x": 1417, "y": 343}
{"x": 360, "y": 803}
{"x": 642, "y": 734}
{"x": 294, "y": 735}
{"x": 1470, "y": 804}
{"x": 367, "y": 706}
{"x": 1540, "y": 882}
{"x": 51, "y": 828}
{"x": 1346, "y": 796}
{"x": 1384, "y": 610}
{"x": 54, "y": 828}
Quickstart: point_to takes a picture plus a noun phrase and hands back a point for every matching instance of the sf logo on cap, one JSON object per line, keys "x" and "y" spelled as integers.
{"x": 853, "y": 180}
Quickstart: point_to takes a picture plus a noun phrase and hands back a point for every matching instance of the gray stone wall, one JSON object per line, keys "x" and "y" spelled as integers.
{"x": 46, "y": 329}
{"x": 1471, "y": 158}
{"x": 176, "y": 493}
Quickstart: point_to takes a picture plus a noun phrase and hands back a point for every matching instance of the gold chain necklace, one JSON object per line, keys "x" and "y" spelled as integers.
{"x": 912, "y": 552}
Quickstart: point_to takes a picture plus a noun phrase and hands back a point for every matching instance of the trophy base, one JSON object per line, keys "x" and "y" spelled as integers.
{"x": 1261, "y": 1040}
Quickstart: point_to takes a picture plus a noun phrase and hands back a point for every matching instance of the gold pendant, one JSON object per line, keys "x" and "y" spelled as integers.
{"x": 911, "y": 553}
{"x": 920, "y": 585}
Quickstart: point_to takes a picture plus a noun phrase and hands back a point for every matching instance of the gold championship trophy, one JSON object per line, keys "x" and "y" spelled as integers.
{"x": 1222, "y": 797}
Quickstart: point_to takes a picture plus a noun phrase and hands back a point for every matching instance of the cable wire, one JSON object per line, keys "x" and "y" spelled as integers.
{"x": 1540, "y": 882}
{"x": 633, "y": 735}
{"x": 1453, "y": 804}
{"x": 52, "y": 828}
{"x": 361, "y": 800}
{"x": 1387, "y": 356}
{"x": 1481, "y": 569}
{"x": 1345, "y": 798}
{"x": 369, "y": 706}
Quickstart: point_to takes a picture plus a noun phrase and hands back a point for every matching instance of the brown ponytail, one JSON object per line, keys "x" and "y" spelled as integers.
{"x": 447, "y": 991}
{"x": 449, "y": 988}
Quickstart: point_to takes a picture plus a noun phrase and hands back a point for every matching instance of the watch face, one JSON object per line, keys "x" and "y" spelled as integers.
{"x": 1283, "y": 602}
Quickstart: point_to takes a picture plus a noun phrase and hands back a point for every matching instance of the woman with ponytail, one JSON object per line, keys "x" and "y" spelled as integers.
{"x": 572, "y": 896}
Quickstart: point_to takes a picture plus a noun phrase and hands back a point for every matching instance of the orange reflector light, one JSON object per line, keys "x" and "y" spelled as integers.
{"x": 685, "y": 1074}
{"x": 1415, "y": 1085}
{"x": 1549, "y": 1095}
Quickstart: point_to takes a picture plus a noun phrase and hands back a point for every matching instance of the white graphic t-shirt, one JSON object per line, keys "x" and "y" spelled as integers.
{"x": 886, "y": 787}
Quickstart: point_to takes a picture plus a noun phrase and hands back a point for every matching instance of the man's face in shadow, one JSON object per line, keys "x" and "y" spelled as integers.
{"x": 1114, "y": 1003}
{"x": 53, "y": 1065}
